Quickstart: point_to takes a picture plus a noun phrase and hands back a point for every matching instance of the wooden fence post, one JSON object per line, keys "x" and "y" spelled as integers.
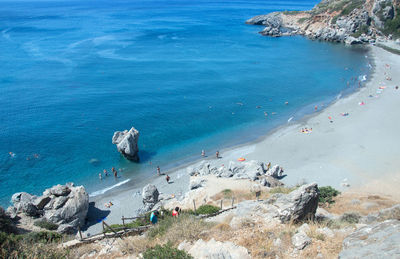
{"x": 221, "y": 204}
{"x": 102, "y": 224}
{"x": 233, "y": 199}
{"x": 194, "y": 206}
{"x": 123, "y": 221}
{"x": 80, "y": 233}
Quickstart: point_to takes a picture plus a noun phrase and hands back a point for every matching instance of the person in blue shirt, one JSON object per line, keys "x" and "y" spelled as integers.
{"x": 154, "y": 217}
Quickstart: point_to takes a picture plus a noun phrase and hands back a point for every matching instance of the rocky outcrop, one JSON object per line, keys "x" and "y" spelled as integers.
{"x": 253, "y": 170}
{"x": 150, "y": 197}
{"x": 196, "y": 183}
{"x": 299, "y": 205}
{"x": 215, "y": 250}
{"x": 65, "y": 205}
{"x": 380, "y": 240}
{"x": 126, "y": 142}
{"x": 300, "y": 240}
{"x": 350, "y": 22}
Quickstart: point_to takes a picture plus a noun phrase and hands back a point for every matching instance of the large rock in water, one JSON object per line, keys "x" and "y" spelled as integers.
{"x": 379, "y": 240}
{"x": 65, "y": 205}
{"x": 300, "y": 204}
{"x": 126, "y": 142}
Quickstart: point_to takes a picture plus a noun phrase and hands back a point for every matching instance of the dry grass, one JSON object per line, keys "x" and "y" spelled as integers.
{"x": 239, "y": 195}
{"x": 361, "y": 203}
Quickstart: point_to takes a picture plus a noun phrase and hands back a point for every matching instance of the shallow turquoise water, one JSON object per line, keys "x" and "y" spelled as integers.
{"x": 187, "y": 74}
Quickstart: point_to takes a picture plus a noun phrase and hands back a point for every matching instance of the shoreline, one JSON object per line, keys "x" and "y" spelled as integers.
{"x": 298, "y": 167}
{"x": 183, "y": 163}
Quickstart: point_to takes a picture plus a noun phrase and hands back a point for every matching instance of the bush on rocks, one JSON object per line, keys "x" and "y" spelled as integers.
{"x": 43, "y": 223}
{"x": 207, "y": 209}
{"x": 326, "y": 194}
{"x": 165, "y": 251}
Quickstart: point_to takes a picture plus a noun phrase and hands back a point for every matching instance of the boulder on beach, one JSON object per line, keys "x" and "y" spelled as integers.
{"x": 65, "y": 205}
{"x": 126, "y": 142}
{"x": 252, "y": 170}
{"x": 150, "y": 196}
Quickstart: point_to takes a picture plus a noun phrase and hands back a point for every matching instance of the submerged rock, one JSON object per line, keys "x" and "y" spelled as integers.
{"x": 126, "y": 142}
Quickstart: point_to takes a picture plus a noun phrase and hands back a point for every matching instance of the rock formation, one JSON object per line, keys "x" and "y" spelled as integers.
{"x": 215, "y": 249}
{"x": 65, "y": 205}
{"x": 300, "y": 204}
{"x": 351, "y": 22}
{"x": 253, "y": 170}
{"x": 380, "y": 240}
{"x": 150, "y": 197}
{"x": 126, "y": 142}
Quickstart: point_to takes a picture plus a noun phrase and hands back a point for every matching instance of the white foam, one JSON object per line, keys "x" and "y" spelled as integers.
{"x": 290, "y": 119}
{"x": 108, "y": 188}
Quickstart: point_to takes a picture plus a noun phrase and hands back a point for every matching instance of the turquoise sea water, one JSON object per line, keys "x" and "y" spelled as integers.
{"x": 188, "y": 75}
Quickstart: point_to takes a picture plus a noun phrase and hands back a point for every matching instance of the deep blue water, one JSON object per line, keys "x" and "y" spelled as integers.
{"x": 73, "y": 72}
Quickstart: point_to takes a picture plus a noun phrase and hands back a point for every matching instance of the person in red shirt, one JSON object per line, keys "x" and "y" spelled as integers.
{"x": 175, "y": 212}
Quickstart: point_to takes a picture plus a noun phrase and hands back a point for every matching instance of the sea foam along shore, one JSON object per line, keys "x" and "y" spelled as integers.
{"x": 359, "y": 149}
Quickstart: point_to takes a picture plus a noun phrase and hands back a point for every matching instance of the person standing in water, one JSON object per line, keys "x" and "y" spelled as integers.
{"x": 115, "y": 172}
{"x": 100, "y": 177}
{"x": 217, "y": 154}
{"x": 203, "y": 153}
{"x": 105, "y": 172}
{"x": 158, "y": 170}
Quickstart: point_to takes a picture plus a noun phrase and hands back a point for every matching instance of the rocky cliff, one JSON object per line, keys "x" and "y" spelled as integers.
{"x": 349, "y": 21}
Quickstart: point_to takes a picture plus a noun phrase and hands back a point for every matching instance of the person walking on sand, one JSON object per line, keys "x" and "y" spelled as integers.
{"x": 167, "y": 178}
{"x": 203, "y": 153}
{"x": 158, "y": 171}
{"x": 217, "y": 154}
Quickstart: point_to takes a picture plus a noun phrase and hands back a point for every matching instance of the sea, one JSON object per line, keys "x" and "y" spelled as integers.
{"x": 189, "y": 75}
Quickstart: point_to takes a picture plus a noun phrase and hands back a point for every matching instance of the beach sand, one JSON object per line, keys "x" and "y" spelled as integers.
{"x": 359, "y": 151}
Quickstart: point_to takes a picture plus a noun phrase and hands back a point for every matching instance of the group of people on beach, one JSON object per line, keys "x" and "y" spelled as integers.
{"x": 105, "y": 172}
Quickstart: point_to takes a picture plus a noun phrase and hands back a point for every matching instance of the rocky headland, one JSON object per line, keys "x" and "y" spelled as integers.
{"x": 348, "y": 21}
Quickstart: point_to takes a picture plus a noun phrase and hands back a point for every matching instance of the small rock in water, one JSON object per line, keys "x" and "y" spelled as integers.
{"x": 94, "y": 161}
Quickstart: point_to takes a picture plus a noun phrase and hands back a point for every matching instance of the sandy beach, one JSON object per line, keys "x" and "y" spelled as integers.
{"x": 356, "y": 152}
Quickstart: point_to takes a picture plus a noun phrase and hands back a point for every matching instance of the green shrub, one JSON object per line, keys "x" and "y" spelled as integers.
{"x": 31, "y": 245}
{"x": 6, "y": 224}
{"x": 350, "y": 217}
{"x": 42, "y": 237}
{"x": 43, "y": 223}
{"x": 227, "y": 193}
{"x": 302, "y": 20}
{"x": 207, "y": 209}
{"x": 9, "y": 244}
{"x": 393, "y": 26}
{"x": 351, "y": 6}
{"x": 165, "y": 252}
{"x": 326, "y": 194}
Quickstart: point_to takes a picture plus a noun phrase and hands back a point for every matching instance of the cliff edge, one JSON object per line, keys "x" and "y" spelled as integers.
{"x": 348, "y": 21}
